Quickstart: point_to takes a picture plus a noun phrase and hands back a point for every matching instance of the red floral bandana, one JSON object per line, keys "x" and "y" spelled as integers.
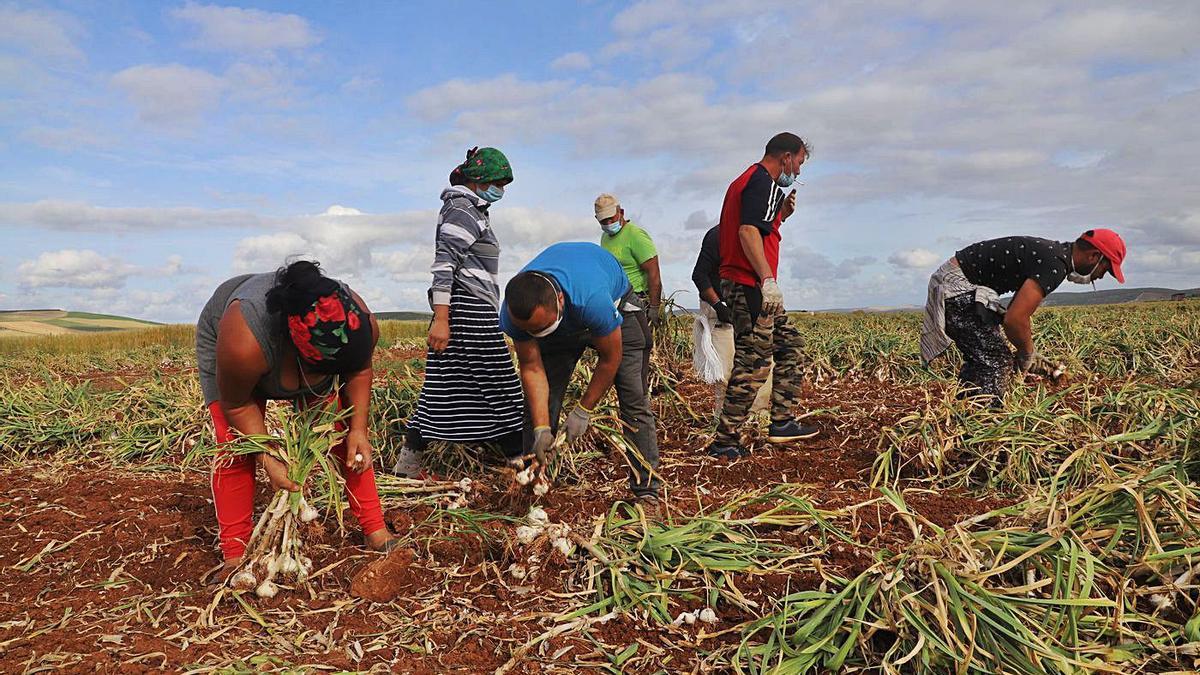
{"x": 331, "y": 323}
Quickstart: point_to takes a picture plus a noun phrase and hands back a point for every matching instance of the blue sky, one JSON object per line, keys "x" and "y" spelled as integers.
{"x": 151, "y": 150}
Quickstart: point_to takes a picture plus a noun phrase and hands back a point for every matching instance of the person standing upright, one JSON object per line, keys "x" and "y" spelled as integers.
{"x": 471, "y": 391}
{"x": 749, "y": 237}
{"x": 634, "y": 249}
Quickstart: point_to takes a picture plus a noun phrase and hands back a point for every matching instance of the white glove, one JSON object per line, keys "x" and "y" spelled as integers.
{"x": 772, "y": 297}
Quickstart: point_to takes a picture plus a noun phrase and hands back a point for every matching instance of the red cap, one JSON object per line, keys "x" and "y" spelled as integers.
{"x": 1109, "y": 243}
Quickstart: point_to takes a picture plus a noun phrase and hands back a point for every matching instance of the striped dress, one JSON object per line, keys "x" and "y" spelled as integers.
{"x": 471, "y": 390}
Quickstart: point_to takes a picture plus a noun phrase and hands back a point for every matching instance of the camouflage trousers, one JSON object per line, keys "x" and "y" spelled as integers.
{"x": 757, "y": 339}
{"x": 987, "y": 360}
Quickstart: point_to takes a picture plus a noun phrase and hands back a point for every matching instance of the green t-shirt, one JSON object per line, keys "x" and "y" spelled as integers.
{"x": 631, "y": 247}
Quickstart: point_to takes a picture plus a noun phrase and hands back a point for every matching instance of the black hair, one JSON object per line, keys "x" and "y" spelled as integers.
{"x": 297, "y": 286}
{"x": 1085, "y": 245}
{"x": 528, "y": 291}
{"x": 783, "y": 143}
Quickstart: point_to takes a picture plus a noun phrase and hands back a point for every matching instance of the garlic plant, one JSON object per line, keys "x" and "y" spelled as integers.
{"x": 275, "y": 551}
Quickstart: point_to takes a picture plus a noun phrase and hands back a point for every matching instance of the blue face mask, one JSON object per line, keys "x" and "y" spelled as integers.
{"x": 492, "y": 194}
{"x": 785, "y": 179}
{"x": 612, "y": 228}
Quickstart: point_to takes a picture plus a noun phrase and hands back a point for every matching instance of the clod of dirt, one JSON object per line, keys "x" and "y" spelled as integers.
{"x": 384, "y": 579}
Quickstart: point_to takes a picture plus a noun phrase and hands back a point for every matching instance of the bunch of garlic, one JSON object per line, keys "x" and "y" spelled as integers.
{"x": 539, "y": 525}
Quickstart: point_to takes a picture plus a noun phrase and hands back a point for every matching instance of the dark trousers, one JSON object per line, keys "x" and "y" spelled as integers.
{"x": 649, "y": 328}
{"x": 757, "y": 340}
{"x": 561, "y": 353}
{"x": 987, "y": 360}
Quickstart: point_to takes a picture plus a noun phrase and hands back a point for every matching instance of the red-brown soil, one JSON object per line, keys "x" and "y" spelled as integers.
{"x": 127, "y": 595}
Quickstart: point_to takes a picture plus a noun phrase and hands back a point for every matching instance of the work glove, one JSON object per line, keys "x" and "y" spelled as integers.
{"x": 1036, "y": 364}
{"x": 772, "y": 297}
{"x": 1024, "y": 361}
{"x": 543, "y": 439}
{"x": 578, "y": 422}
{"x": 724, "y": 312}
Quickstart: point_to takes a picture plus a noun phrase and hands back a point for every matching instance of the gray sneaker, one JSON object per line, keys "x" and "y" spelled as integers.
{"x": 408, "y": 462}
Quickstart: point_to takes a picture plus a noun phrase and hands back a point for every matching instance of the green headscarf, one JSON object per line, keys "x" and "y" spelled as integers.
{"x": 483, "y": 165}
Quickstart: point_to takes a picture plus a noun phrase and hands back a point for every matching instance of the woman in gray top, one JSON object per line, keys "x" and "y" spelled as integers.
{"x": 291, "y": 335}
{"x": 471, "y": 391}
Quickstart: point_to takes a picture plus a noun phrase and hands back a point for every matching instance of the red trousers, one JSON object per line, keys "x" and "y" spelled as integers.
{"x": 233, "y": 490}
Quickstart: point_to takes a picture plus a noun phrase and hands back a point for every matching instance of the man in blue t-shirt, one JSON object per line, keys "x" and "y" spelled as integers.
{"x": 570, "y": 297}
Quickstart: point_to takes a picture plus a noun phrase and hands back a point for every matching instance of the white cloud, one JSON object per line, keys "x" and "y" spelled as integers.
{"x": 360, "y": 84}
{"x": 1146, "y": 31}
{"x": 407, "y": 265}
{"x": 572, "y": 61}
{"x": 71, "y": 268}
{"x": 269, "y": 251}
{"x": 42, "y": 32}
{"x": 522, "y": 226}
{"x": 66, "y": 139}
{"x": 171, "y": 95}
{"x": 344, "y": 239}
{"x": 916, "y": 259}
{"x": 499, "y": 95}
{"x": 699, "y": 220}
{"x": 236, "y": 29}
{"x": 268, "y": 83}
{"x": 76, "y": 216}
{"x": 807, "y": 264}
{"x": 173, "y": 266}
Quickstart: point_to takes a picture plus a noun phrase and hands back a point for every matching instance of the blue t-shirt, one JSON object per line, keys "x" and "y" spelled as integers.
{"x": 592, "y": 282}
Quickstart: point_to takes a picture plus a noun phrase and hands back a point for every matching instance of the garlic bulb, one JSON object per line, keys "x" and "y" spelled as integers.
{"x": 526, "y": 534}
{"x": 564, "y": 546}
{"x": 537, "y": 516}
{"x": 686, "y": 617}
{"x": 244, "y": 579}
{"x": 266, "y": 589}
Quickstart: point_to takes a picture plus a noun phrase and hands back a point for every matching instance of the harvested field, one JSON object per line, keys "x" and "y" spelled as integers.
{"x": 915, "y": 531}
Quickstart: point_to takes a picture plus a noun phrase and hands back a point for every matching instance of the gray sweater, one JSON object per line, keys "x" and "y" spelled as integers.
{"x": 467, "y": 252}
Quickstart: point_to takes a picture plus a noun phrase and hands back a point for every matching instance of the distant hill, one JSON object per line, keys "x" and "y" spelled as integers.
{"x": 1113, "y": 296}
{"x": 403, "y": 316}
{"x": 26, "y": 322}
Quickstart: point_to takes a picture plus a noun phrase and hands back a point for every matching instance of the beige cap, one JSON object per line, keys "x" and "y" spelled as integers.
{"x": 606, "y": 206}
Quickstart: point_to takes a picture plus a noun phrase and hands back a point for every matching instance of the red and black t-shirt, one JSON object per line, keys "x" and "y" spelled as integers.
{"x": 1004, "y": 264}
{"x": 752, "y": 199}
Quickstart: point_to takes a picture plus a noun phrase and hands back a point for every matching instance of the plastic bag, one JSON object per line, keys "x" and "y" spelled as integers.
{"x": 705, "y": 359}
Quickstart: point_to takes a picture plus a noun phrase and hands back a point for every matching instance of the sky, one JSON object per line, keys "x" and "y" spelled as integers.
{"x": 148, "y": 151}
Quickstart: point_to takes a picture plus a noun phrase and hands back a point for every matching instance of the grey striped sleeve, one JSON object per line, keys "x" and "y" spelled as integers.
{"x": 457, "y": 230}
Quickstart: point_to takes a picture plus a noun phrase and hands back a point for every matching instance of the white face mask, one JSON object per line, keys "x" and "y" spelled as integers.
{"x": 552, "y": 327}
{"x": 1077, "y": 278}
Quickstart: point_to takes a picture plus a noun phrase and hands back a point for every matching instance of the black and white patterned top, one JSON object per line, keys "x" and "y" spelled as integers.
{"x": 1004, "y": 264}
